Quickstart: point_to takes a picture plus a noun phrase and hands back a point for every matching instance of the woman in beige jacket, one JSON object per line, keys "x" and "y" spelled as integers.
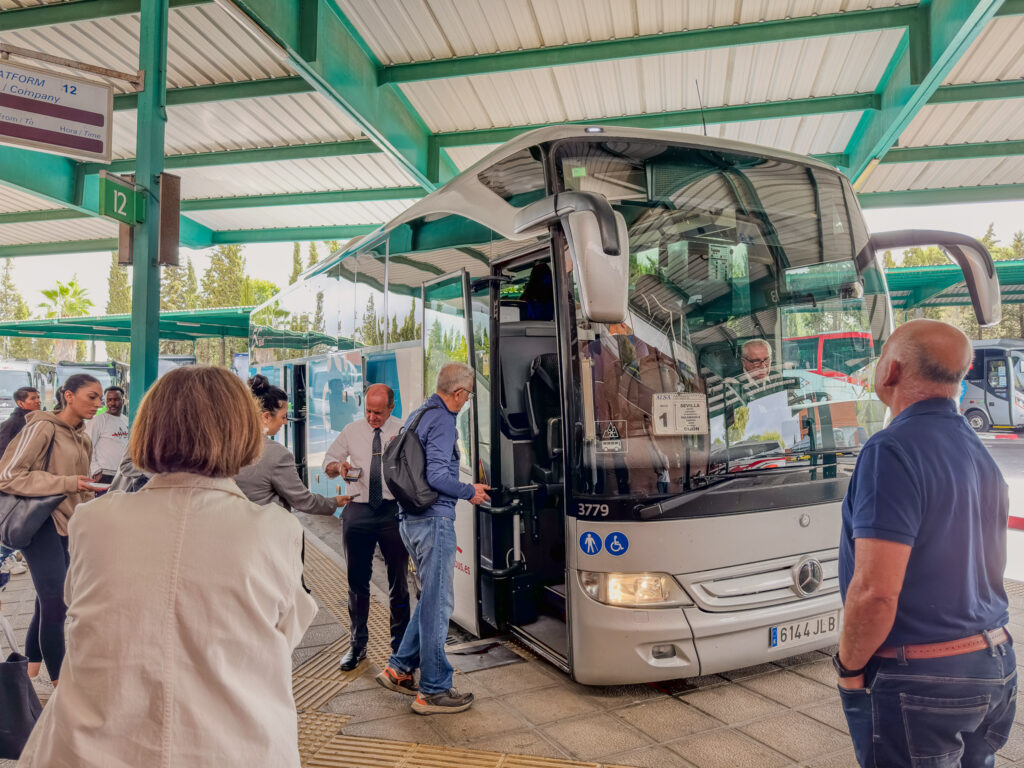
{"x": 24, "y": 470}
{"x": 185, "y": 601}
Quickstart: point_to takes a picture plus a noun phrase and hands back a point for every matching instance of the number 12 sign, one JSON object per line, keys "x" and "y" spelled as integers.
{"x": 119, "y": 200}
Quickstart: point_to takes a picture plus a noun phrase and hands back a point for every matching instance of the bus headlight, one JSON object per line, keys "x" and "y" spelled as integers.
{"x": 633, "y": 590}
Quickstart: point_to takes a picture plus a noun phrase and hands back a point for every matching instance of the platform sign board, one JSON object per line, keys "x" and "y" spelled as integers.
{"x": 55, "y": 113}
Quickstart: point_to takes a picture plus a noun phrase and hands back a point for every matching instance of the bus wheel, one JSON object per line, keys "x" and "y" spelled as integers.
{"x": 978, "y": 420}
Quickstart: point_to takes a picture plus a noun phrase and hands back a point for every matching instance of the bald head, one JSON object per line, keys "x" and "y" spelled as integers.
{"x": 921, "y": 360}
{"x": 379, "y": 401}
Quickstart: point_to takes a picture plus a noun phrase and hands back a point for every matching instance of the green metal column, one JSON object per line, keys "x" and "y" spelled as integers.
{"x": 149, "y": 165}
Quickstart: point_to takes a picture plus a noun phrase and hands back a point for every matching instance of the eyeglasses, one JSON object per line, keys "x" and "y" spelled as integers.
{"x": 469, "y": 392}
{"x": 758, "y": 360}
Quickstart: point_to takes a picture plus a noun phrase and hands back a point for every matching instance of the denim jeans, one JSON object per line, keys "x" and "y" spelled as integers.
{"x": 431, "y": 544}
{"x": 953, "y": 712}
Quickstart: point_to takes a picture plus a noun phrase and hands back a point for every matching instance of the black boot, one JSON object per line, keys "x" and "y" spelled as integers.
{"x": 351, "y": 659}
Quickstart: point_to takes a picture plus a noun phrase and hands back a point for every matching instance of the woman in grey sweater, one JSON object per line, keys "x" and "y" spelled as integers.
{"x": 274, "y": 479}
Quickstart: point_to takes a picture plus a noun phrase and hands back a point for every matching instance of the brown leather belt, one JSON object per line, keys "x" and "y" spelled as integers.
{"x": 951, "y": 648}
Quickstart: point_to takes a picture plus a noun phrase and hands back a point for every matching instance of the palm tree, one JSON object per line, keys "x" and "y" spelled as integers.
{"x": 66, "y": 300}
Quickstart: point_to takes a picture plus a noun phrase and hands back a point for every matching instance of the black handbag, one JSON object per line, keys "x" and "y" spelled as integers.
{"x": 405, "y": 469}
{"x": 21, "y": 517}
{"x": 18, "y": 700}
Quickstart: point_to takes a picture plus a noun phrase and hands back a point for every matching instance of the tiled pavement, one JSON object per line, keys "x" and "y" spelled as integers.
{"x": 529, "y": 714}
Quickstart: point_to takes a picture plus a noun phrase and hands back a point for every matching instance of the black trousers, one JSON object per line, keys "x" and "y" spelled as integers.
{"x": 363, "y": 530}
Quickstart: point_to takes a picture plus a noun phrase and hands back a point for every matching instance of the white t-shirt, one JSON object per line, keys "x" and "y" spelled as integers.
{"x": 109, "y": 435}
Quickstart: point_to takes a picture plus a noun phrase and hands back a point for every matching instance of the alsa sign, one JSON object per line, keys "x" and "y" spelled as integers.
{"x": 55, "y": 113}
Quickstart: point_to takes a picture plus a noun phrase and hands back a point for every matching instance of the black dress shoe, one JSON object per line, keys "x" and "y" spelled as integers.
{"x": 352, "y": 658}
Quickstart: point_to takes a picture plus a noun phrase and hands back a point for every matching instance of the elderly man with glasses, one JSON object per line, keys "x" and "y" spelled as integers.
{"x": 430, "y": 539}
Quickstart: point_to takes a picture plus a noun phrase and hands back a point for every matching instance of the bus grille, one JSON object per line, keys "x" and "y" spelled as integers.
{"x": 758, "y": 585}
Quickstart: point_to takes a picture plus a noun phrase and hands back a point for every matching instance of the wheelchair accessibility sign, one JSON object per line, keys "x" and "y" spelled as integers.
{"x": 616, "y": 544}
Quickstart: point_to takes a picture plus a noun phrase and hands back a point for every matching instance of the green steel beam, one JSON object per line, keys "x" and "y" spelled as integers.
{"x": 325, "y": 51}
{"x": 291, "y": 234}
{"x": 914, "y": 197}
{"x": 201, "y": 94}
{"x": 954, "y": 152}
{"x": 1011, "y": 8}
{"x": 856, "y": 102}
{"x": 242, "y": 156}
{"x": 652, "y": 45}
{"x": 952, "y": 25}
{"x": 52, "y": 214}
{"x": 996, "y": 91}
{"x": 80, "y": 10}
{"x": 919, "y": 296}
{"x": 151, "y": 118}
{"x": 301, "y": 198}
{"x": 54, "y": 249}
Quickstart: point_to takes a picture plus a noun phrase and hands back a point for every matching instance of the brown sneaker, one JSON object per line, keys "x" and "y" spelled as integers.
{"x": 445, "y": 703}
{"x": 395, "y": 681}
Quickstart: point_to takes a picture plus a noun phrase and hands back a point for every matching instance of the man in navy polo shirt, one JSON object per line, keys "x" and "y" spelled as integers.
{"x": 927, "y": 672}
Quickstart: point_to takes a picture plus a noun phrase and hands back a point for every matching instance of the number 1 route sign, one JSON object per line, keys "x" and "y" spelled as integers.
{"x": 120, "y": 201}
{"x": 55, "y": 113}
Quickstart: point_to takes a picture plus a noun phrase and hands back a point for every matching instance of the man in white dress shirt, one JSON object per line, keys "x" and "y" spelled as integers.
{"x": 371, "y": 521}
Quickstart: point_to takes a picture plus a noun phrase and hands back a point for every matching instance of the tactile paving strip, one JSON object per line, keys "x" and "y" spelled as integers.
{"x": 357, "y": 752}
{"x": 330, "y": 585}
{"x": 311, "y": 694}
{"x": 316, "y": 729}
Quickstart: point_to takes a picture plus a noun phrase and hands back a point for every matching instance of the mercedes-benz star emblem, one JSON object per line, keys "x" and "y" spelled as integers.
{"x": 807, "y": 577}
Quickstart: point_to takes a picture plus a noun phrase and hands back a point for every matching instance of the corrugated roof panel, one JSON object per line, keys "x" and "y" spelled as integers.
{"x": 400, "y": 31}
{"x": 947, "y": 173}
{"x": 813, "y": 135}
{"x": 794, "y": 69}
{"x": 10, "y": 5}
{"x": 464, "y": 157}
{"x": 57, "y": 231}
{"x": 966, "y": 123}
{"x": 14, "y": 200}
{"x": 997, "y": 54}
{"x": 205, "y": 45}
{"x": 333, "y": 214}
{"x": 275, "y": 121}
{"x": 282, "y": 177}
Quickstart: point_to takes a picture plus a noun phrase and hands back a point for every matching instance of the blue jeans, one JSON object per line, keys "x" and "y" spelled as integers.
{"x": 953, "y": 712}
{"x": 431, "y": 544}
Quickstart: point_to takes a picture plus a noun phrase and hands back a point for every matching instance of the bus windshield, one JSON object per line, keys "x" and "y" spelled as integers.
{"x": 1017, "y": 359}
{"x": 11, "y": 381}
{"x": 754, "y": 321}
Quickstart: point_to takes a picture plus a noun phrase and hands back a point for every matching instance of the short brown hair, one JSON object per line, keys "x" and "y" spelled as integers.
{"x": 198, "y": 419}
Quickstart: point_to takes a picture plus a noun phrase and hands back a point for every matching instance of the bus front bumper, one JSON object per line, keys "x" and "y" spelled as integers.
{"x": 613, "y": 646}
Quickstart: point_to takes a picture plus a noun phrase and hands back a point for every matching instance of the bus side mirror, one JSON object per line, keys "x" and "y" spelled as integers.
{"x": 598, "y": 245}
{"x": 972, "y": 257}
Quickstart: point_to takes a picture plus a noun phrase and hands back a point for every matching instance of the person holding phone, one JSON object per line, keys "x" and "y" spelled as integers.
{"x": 274, "y": 479}
{"x": 356, "y": 455}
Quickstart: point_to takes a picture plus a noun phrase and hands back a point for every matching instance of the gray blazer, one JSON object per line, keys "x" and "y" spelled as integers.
{"x": 274, "y": 480}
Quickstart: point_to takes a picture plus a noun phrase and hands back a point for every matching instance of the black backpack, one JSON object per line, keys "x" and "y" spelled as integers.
{"x": 405, "y": 469}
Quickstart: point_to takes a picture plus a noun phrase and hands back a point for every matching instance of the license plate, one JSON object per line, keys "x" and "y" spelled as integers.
{"x": 799, "y": 632}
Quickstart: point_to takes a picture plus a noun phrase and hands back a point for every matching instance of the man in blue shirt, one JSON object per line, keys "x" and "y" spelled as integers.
{"x": 927, "y": 672}
{"x": 430, "y": 539}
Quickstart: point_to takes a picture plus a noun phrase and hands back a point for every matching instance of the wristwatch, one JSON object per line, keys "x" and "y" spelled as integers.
{"x": 843, "y": 671}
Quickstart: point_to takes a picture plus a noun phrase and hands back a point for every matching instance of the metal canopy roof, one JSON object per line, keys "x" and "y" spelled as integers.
{"x": 317, "y": 119}
{"x": 943, "y": 286}
{"x": 227, "y": 322}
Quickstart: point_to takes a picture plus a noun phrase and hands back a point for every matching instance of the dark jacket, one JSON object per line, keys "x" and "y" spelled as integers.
{"x": 12, "y": 426}
{"x": 440, "y": 439}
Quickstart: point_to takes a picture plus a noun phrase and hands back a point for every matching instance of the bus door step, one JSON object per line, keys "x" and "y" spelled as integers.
{"x": 554, "y": 598}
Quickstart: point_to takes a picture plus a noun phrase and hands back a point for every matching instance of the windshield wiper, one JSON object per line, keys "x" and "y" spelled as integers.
{"x": 713, "y": 483}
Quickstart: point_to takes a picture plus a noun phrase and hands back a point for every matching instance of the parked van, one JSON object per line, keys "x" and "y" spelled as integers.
{"x": 994, "y": 385}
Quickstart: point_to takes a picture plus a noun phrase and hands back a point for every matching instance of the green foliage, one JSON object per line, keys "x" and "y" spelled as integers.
{"x": 255, "y": 292}
{"x": 13, "y": 307}
{"x": 66, "y": 300}
{"x": 192, "y": 298}
{"x": 296, "y": 263}
{"x": 738, "y": 428}
{"x": 119, "y": 302}
{"x": 314, "y": 256}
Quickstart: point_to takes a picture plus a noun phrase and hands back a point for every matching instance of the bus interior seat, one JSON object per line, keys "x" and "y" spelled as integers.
{"x": 521, "y": 343}
{"x": 543, "y": 404}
